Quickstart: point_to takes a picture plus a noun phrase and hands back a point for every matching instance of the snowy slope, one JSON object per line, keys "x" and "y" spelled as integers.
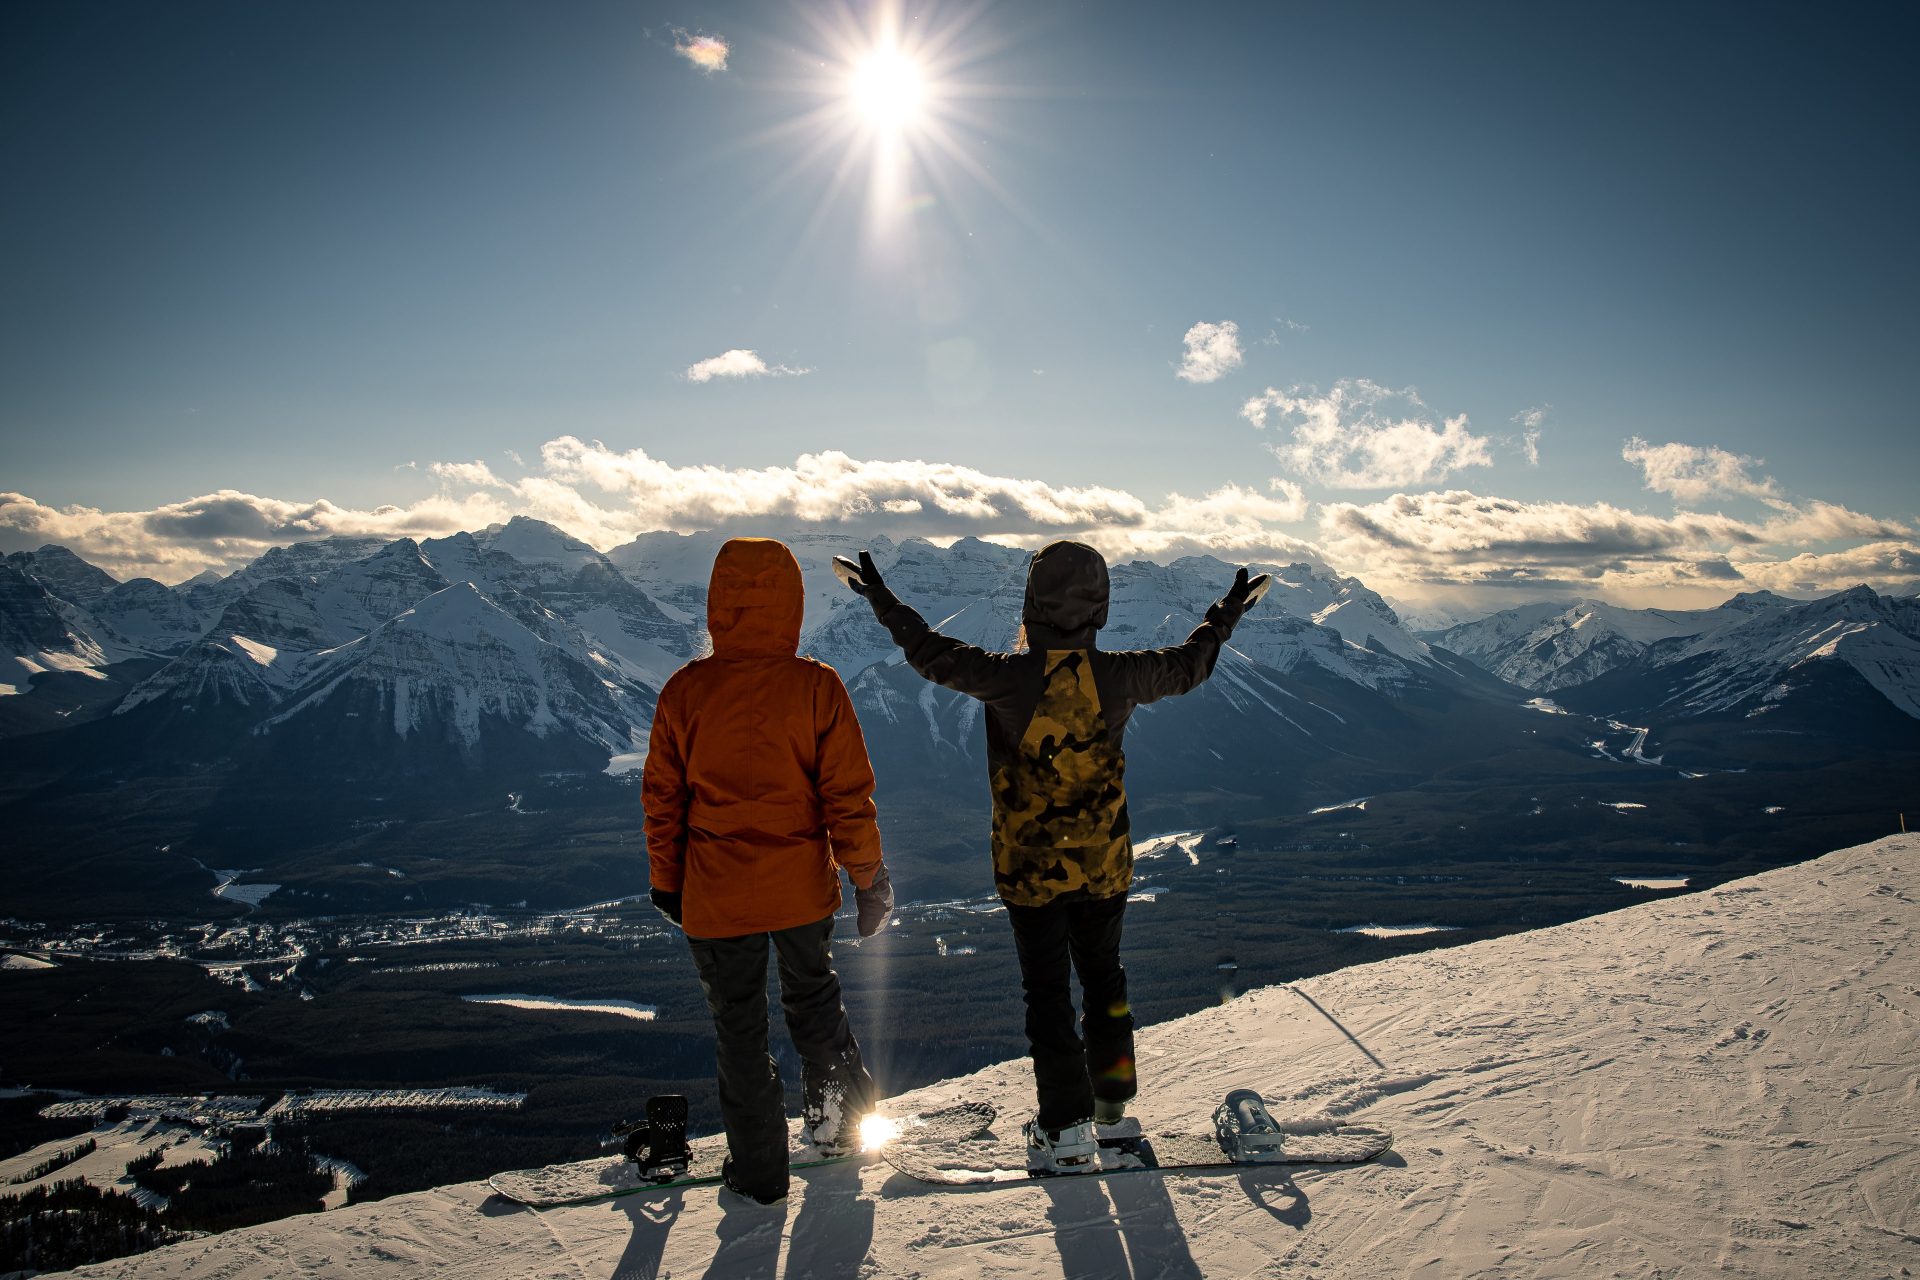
{"x": 1721, "y": 1082}
{"x": 150, "y": 615}
{"x": 1548, "y": 646}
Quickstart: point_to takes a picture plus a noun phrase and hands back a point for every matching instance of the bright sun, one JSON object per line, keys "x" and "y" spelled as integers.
{"x": 888, "y": 89}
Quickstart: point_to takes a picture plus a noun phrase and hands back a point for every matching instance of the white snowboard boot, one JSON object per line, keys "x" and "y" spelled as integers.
{"x": 1073, "y": 1149}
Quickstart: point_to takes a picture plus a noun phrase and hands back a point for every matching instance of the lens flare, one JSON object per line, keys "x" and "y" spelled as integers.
{"x": 877, "y": 1131}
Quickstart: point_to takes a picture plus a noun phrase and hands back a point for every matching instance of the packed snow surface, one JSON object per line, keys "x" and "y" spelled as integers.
{"x": 1715, "y": 1083}
{"x": 619, "y": 1008}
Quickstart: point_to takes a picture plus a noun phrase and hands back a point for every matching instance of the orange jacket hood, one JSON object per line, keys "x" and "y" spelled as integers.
{"x": 755, "y": 600}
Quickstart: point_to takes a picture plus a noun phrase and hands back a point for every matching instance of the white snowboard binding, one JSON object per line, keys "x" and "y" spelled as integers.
{"x": 1073, "y": 1149}
{"x": 1246, "y": 1132}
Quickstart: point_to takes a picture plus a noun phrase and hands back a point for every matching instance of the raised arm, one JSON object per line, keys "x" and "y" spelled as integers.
{"x": 962, "y": 667}
{"x": 1147, "y": 675}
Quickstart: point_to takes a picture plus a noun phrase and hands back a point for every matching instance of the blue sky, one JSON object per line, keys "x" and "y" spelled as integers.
{"x": 1638, "y": 280}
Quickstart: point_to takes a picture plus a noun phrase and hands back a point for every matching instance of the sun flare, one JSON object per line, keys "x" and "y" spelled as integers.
{"x": 888, "y": 89}
{"x": 877, "y": 1131}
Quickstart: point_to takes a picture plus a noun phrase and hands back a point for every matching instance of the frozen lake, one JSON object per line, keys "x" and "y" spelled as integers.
{"x": 619, "y": 1008}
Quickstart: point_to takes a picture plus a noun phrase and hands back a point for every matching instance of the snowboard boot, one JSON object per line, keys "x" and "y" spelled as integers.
{"x": 1072, "y": 1149}
{"x": 832, "y": 1107}
{"x": 1109, "y": 1110}
{"x": 759, "y": 1193}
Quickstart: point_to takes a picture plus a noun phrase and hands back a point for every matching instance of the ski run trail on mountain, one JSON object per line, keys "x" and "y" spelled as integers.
{"x": 1721, "y": 1083}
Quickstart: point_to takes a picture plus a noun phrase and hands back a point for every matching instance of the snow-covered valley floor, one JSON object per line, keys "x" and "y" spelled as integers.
{"x": 1723, "y": 1083}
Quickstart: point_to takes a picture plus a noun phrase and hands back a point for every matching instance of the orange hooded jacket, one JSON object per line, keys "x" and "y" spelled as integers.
{"x": 757, "y": 784}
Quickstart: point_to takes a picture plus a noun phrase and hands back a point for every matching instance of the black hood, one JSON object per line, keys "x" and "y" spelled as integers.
{"x": 1066, "y": 596}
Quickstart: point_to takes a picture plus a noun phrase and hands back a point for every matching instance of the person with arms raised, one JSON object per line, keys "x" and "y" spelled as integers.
{"x": 1062, "y": 854}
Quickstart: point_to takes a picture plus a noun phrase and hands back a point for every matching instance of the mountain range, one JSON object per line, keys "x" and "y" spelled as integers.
{"x": 358, "y": 678}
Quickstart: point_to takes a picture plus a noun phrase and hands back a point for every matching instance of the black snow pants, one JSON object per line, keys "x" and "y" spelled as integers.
{"x": 733, "y": 974}
{"x": 1070, "y": 1073}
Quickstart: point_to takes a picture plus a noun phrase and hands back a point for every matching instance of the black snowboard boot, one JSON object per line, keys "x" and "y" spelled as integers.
{"x": 759, "y": 1194}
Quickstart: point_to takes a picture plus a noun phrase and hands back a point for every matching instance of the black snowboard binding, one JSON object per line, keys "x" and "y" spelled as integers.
{"x": 1245, "y": 1131}
{"x": 658, "y": 1144}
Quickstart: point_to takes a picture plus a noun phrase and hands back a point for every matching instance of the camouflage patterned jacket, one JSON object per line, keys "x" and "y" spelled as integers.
{"x": 1056, "y": 713}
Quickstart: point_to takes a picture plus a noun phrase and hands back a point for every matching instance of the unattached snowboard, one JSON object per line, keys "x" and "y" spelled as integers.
{"x": 606, "y": 1177}
{"x": 975, "y": 1161}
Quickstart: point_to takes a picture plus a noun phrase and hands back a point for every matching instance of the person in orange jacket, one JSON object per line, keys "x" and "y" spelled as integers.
{"x": 757, "y": 791}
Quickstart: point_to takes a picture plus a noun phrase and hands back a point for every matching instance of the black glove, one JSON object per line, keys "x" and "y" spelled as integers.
{"x": 873, "y": 904}
{"x": 667, "y": 903}
{"x": 1240, "y": 596}
{"x": 870, "y": 586}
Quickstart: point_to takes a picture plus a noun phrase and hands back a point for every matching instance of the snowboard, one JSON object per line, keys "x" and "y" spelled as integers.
{"x": 982, "y": 1160}
{"x": 608, "y": 1177}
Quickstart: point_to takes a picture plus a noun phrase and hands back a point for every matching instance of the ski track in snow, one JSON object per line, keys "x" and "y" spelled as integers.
{"x": 1718, "y": 1082}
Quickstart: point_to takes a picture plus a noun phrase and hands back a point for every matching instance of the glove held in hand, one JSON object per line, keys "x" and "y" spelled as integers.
{"x": 873, "y": 904}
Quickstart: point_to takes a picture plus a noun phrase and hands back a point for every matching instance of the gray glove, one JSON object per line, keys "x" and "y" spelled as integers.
{"x": 873, "y": 904}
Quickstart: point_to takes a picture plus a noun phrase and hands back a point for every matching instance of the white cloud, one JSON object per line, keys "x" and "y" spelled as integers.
{"x": 1361, "y": 435}
{"x": 1530, "y": 423}
{"x": 737, "y": 363}
{"x": 223, "y": 529}
{"x": 709, "y": 53}
{"x": 1825, "y": 522}
{"x": 607, "y": 497}
{"x": 1693, "y": 473}
{"x": 475, "y": 474}
{"x": 1213, "y": 350}
{"x": 1415, "y": 544}
{"x": 1881, "y": 565}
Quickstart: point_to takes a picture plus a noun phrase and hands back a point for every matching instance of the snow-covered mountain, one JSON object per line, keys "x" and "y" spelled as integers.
{"x": 64, "y": 574}
{"x": 446, "y": 644}
{"x": 38, "y": 634}
{"x": 1821, "y": 663}
{"x": 1714, "y": 1082}
{"x": 304, "y": 561}
{"x": 1548, "y": 646}
{"x": 458, "y": 670}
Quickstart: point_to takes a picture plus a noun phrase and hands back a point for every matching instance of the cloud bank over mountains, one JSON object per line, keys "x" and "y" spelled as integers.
{"x": 1434, "y": 544}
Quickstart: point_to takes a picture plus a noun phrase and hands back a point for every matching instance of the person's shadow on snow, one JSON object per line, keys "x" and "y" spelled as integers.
{"x": 1118, "y": 1227}
{"x": 834, "y": 1231}
{"x": 749, "y": 1240}
{"x": 652, "y": 1222}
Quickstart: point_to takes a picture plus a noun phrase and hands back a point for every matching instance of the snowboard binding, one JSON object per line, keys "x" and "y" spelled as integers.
{"x": 658, "y": 1144}
{"x": 1245, "y": 1130}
